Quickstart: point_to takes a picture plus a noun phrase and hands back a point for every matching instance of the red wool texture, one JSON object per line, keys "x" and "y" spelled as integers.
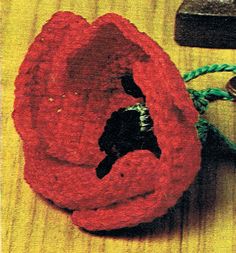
{"x": 66, "y": 90}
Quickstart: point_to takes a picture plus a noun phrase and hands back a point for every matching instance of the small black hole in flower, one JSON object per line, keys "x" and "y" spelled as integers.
{"x": 105, "y": 166}
{"x": 130, "y": 87}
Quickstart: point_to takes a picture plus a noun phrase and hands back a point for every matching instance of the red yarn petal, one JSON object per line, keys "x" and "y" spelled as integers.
{"x": 75, "y": 187}
{"x": 31, "y": 82}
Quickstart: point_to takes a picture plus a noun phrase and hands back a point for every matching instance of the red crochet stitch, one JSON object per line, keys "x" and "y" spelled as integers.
{"x": 66, "y": 90}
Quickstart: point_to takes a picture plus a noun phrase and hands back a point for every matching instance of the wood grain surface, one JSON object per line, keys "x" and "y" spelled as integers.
{"x": 203, "y": 221}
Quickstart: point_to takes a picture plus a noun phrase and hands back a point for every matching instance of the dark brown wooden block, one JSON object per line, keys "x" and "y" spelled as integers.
{"x": 206, "y": 23}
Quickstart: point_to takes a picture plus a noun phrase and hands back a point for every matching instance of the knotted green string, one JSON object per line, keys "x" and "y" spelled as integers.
{"x": 201, "y": 100}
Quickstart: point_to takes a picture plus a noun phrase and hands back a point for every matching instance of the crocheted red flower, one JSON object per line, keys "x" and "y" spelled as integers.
{"x": 72, "y": 83}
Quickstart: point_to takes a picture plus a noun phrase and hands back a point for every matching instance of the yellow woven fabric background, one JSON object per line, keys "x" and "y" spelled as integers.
{"x": 204, "y": 221}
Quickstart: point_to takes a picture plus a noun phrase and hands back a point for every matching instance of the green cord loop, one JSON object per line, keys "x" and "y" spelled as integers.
{"x": 206, "y": 131}
{"x": 209, "y": 69}
{"x": 202, "y": 98}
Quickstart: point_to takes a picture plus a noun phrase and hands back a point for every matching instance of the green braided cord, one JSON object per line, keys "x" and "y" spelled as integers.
{"x": 201, "y": 99}
{"x": 208, "y": 69}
